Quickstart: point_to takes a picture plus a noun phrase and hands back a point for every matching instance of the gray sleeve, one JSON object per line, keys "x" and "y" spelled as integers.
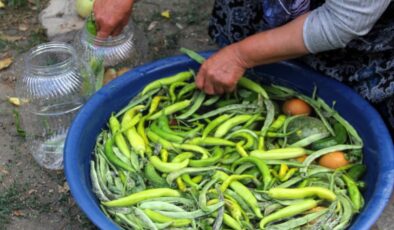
{"x": 337, "y": 22}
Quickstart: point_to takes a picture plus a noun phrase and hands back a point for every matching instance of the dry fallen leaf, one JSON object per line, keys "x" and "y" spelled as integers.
{"x": 109, "y": 75}
{"x": 31, "y": 191}
{"x": 64, "y": 188}
{"x": 3, "y": 171}
{"x": 1, "y": 4}
{"x": 5, "y": 62}
{"x": 17, "y": 213}
{"x": 166, "y": 14}
{"x": 15, "y": 101}
{"x": 23, "y": 27}
{"x": 122, "y": 71}
{"x": 10, "y": 38}
{"x": 152, "y": 25}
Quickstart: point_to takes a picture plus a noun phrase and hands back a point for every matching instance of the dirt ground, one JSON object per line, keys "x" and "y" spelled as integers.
{"x": 34, "y": 198}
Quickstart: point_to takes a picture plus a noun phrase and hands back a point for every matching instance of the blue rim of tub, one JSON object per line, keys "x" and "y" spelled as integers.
{"x": 78, "y": 176}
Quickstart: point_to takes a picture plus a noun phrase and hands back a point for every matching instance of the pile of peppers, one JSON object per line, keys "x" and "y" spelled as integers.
{"x": 176, "y": 158}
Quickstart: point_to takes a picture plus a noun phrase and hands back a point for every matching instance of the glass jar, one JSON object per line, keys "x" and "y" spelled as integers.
{"x": 54, "y": 83}
{"x": 112, "y": 56}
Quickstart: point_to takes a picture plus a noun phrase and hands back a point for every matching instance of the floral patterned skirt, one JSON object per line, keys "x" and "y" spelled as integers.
{"x": 366, "y": 64}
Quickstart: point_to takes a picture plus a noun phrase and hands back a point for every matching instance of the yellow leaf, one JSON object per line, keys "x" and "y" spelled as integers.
{"x": 14, "y": 101}
{"x": 166, "y": 14}
{"x": 4, "y": 63}
{"x": 1, "y": 4}
{"x": 17, "y": 101}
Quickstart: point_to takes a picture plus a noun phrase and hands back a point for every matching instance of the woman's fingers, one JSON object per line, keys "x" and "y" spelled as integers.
{"x": 111, "y": 16}
{"x": 220, "y": 73}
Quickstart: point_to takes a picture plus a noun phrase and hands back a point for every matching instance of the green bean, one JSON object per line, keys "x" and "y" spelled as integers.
{"x": 127, "y": 119}
{"x": 153, "y": 176}
{"x": 230, "y": 123}
{"x": 136, "y": 141}
{"x": 230, "y": 222}
{"x": 170, "y": 109}
{"x": 182, "y": 156}
{"x": 119, "y": 138}
{"x": 347, "y": 212}
{"x": 113, "y": 158}
{"x": 215, "y": 123}
{"x": 144, "y": 218}
{"x": 172, "y": 176}
{"x": 233, "y": 178}
{"x": 196, "y": 105}
{"x": 96, "y": 185}
{"x": 224, "y": 110}
{"x": 260, "y": 164}
{"x": 195, "y": 148}
{"x": 354, "y": 193}
{"x": 249, "y": 136}
{"x": 193, "y": 55}
{"x": 288, "y": 211}
{"x": 161, "y": 205}
{"x": 186, "y": 89}
{"x": 202, "y": 198}
{"x": 137, "y": 100}
{"x": 253, "y": 86}
{"x": 156, "y": 216}
{"x": 186, "y": 178}
{"x": 178, "y": 200}
{"x": 210, "y": 141}
{"x": 309, "y": 140}
{"x": 217, "y": 155}
{"x": 211, "y": 101}
{"x": 270, "y": 117}
{"x": 278, "y": 123}
{"x": 342, "y": 121}
{"x": 157, "y": 139}
{"x": 163, "y": 134}
{"x": 141, "y": 196}
{"x": 194, "y": 214}
{"x": 242, "y": 191}
{"x": 279, "y": 154}
{"x": 356, "y": 171}
{"x": 167, "y": 167}
{"x": 128, "y": 221}
{"x": 229, "y": 160}
{"x": 172, "y": 88}
{"x": 297, "y": 222}
{"x": 179, "y": 77}
{"x": 300, "y": 193}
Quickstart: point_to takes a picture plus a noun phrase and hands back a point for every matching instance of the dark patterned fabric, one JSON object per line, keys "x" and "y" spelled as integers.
{"x": 366, "y": 64}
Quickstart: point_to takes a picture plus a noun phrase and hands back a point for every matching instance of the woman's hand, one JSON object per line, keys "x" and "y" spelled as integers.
{"x": 111, "y": 16}
{"x": 220, "y": 73}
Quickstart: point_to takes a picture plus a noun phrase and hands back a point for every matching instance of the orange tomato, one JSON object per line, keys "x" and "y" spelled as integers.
{"x": 301, "y": 158}
{"x": 296, "y": 107}
{"x": 333, "y": 160}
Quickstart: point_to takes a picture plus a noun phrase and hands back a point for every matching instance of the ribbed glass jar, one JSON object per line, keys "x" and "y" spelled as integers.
{"x": 112, "y": 56}
{"x": 54, "y": 84}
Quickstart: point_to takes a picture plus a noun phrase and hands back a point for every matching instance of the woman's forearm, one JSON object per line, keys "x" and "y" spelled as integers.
{"x": 278, "y": 44}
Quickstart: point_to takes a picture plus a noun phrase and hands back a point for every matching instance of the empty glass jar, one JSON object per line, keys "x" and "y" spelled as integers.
{"x": 54, "y": 83}
{"x": 112, "y": 56}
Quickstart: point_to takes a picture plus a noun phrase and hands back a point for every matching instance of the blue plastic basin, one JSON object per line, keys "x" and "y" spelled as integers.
{"x": 379, "y": 150}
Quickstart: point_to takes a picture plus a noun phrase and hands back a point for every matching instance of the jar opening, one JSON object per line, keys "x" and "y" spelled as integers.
{"x": 126, "y": 34}
{"x": 51, "y": 58}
